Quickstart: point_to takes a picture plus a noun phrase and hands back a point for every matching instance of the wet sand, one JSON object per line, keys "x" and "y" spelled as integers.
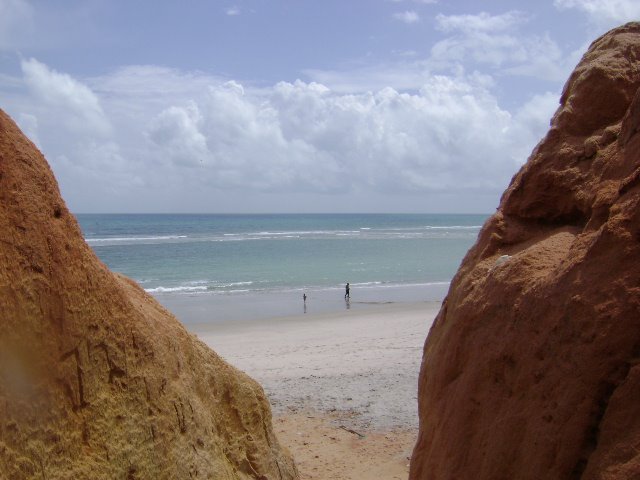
{"x": 200, "y": 310}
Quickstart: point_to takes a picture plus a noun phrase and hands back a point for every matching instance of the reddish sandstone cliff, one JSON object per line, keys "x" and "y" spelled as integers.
{"x": 532, "y": 367}
{"x": 97, "y": 380}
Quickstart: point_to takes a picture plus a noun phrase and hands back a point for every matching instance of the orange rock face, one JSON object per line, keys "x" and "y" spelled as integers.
{"x": 97, "y": 380}
{"x": 532, "y": 367}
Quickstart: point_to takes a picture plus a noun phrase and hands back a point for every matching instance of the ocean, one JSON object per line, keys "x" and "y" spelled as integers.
{"x": 213, "y": 268}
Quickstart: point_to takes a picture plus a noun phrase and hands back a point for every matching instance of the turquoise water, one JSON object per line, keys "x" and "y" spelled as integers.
{"x": 232, "y": 256}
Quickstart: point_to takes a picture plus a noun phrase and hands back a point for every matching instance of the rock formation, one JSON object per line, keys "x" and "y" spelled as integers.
{"x": 97, "y": 380}
{"x": 532, "y": 367}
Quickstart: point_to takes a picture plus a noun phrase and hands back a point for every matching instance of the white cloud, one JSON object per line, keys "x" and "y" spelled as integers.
{"x": 176, "y": 132}
{"x": 454, "y": 121}
{"x": 233, "y": 11}
{"x": 541, "y": 57}
{"x": 604, "y": 13}
{"x": 497, "y": 45}
{"x": 304, "y": 137}
{"x": 482, "y": 22}
{"x": 533, "y": 56}
{"x": 80, "y": 106}
{"x": 402, "y": 75}
{"x": 530, "y": 124}
{"x": 204, "y": 135}
{"x": 494, "y": 41}
{"x": 408, "y": 16}
{"x": 16, "y": 23}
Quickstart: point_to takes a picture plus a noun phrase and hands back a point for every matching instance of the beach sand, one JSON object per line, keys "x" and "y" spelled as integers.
{"x": 343, "y": 386}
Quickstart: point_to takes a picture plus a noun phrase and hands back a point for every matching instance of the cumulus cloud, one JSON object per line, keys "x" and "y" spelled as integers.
{"x": 176, "y": 132}
{"x": 80, "y": 106}
{"x": 439, "y": 119}
{"x": 604, "y": 13}
{"x": 206, "y": 135}
{"x": 304, "y": 137}
{"x": 408, "y": 16}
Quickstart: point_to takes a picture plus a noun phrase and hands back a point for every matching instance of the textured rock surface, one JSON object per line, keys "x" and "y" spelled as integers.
{"x": 532, "y": 367}
{"x": 97, "y": 380}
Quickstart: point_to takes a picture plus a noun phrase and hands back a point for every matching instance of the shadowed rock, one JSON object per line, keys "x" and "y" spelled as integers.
{"x": 97, "y": 380}
{"x": 531, "y": 369}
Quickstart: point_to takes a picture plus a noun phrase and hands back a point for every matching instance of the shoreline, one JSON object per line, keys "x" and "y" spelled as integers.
{"x": 200, "y": 309}
{"x": 342, "y": 385}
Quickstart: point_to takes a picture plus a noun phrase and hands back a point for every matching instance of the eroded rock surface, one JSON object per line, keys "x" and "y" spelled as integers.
{"x": 97, "y": 380}
{"x": 531, "y": 369}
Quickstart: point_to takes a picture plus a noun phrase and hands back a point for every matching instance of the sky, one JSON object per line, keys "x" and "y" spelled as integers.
{"x": 270, "y": 106}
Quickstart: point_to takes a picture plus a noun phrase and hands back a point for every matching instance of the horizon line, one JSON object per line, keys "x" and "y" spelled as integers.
{"x": 281, "y": 213}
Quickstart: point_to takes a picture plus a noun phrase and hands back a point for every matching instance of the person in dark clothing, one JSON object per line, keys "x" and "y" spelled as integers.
{"x": 346, "y": 291}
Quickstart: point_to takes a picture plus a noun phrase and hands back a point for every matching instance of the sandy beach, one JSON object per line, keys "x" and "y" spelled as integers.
{"x": 342, "y": 385}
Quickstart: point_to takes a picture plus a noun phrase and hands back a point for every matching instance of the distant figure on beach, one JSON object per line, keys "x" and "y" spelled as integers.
{"x": 346, "y": 291}
{"x": 304, "y": 298}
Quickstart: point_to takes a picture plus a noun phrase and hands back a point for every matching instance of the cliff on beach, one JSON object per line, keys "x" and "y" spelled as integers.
{"x": 532, "y": 367}
{"x": 97, "y": 380}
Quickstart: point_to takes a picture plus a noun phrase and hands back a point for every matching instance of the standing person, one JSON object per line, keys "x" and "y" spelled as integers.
{"x": 304, "y": 298}
{"x": 346, "y": 291}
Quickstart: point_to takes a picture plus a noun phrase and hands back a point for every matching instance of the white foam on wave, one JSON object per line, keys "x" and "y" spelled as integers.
{"x": 228, "y": 288}
{"x": 396, "y": 285}
{"x": 240, "y": 237}
{"x": 183, "y": 289}
{"x": 428, "y": 227}
{"x": 199, "y": 286}
{"x": 233, "y": 284}
{"x": 300, "y": 233}
{"x": 134, "y": 239}
{"x": 379, "y": 284}
{"x": 453, "y": 227}
{"x": 237, "y": 238}
{"x": 401, "y": 232}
